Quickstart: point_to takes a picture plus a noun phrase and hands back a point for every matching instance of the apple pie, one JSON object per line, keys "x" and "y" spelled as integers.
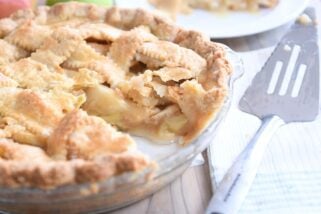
{"x": 186, "y": 6}
{"x": 76, "y": 79}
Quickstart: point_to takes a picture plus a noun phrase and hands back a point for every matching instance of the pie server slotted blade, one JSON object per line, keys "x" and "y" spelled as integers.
{"x": 297, "y": 52}
{"x": 285, "y": 90}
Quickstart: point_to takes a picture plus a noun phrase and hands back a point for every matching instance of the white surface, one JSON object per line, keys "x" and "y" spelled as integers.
{"x": 233, "y": 24}
{"x": 289, "y": 177}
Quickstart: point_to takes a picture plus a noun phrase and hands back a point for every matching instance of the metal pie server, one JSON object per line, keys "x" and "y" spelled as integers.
{"x": 285, "y": 90}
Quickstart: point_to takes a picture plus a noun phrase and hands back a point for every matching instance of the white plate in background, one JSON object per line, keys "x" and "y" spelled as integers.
{"x": 232, "y": 24}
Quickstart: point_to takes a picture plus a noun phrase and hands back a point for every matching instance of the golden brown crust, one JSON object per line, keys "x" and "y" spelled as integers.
{"x": 10, "y": 53}
{"x": 132, "y": 69}
{"x": 17, "y": 170}
{"x": 24, "y": 71}
{"x": 128, "y": 19}
{"x": 23, "y": 36}
{"x": 31, "y": 115}
{"x": 123, "y": 49}
{"x": 86, "y": 137}
{"x": 74, "y": 10}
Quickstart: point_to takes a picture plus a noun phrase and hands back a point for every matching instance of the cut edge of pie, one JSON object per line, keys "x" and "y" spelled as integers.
{"x": 72, "y": 74}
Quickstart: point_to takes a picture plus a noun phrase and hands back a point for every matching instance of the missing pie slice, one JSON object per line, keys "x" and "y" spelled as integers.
{"x": 75, "y": 77}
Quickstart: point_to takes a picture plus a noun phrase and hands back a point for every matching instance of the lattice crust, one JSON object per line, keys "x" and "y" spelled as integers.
{"x": 128, "y": 68}
{"x": 10, "y": 53}
{"x": 44, "y": 172}
{"x": 86, "y": 137}
{"x": 99, "y": 31}
{"x": 29, "y": 73}
{"x": 24, "y": 36}
{"x": 123, "y": 49}
{"x": 7, "y": 25}
{"x": 83, "y": 57}
{"x": 33, "y": 114}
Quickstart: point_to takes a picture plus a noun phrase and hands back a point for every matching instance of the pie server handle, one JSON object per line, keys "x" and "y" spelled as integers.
{"x": 236, "y": 183}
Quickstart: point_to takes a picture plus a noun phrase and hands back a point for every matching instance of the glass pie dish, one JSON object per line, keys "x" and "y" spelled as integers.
{"x": 125, "y": 189}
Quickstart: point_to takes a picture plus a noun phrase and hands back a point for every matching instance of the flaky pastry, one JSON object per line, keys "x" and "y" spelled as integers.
{"x": 75, "y": 76}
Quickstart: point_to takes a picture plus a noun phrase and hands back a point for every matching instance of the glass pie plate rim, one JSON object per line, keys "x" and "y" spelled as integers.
{"x": 110, "y": 186}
